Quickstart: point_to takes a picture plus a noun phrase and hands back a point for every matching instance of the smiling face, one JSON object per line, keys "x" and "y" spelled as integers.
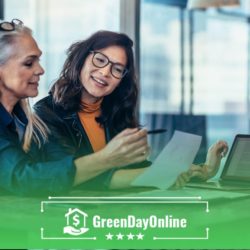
{"x": 20, "y": 75}
{"x": 99, "y": 82}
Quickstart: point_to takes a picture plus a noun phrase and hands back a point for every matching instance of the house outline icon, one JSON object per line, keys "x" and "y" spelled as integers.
{"x": 70, "y": 229}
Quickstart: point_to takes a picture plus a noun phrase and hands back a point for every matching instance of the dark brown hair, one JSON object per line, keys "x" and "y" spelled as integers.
{"x": 118, "y": 108}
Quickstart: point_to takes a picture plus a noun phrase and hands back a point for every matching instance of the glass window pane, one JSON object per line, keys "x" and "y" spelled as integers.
{"x": 220, "y": 74}
{"x": 215, "y": 88}
{"x": 160, "y": 78}
{"x": 220, "y": 70}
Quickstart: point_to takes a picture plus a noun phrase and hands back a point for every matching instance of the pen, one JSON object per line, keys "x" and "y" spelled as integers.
{"x": 157, "y": 131}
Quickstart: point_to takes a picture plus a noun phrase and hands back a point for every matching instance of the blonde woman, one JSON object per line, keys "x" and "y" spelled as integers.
{"x": 24, "y": 169}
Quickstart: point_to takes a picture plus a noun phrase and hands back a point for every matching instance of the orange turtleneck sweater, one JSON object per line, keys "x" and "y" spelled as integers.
{"x": 93, "y": 129}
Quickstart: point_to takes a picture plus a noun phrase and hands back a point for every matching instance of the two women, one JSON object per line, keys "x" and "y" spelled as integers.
{"x": 69, "y": 146}
{"x": 25, "y": 168}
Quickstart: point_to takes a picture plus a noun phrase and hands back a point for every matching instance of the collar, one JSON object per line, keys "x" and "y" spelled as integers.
{"x": 6, "y": 119}
{"x": 91, "y": 107}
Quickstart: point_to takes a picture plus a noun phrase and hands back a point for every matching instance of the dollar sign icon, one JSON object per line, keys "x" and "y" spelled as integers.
{"x": 76, "y": 220}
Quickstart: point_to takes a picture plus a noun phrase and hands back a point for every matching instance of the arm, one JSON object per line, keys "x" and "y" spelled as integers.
{"x": 22, "y": 174}
{"x": 122, "y": 178}
{"x": 128, "y": 147}
{"x": 204, "y": 171}
{"x": 88, "y": 167}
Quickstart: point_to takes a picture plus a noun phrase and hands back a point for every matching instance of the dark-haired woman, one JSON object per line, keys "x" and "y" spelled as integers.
{"x": 91, "y": 112}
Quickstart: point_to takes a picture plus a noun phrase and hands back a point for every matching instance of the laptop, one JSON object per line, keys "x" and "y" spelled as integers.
{"x": 236, "y": 171}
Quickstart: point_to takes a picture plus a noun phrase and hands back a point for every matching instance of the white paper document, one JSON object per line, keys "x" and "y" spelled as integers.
{"x": 175, "y": 158}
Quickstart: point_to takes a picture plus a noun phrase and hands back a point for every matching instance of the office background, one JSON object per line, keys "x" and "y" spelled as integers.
{"x": 192, "y": 65}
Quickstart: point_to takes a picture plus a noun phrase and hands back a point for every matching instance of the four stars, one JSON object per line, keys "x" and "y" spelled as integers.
{"x": 120, "y": 236}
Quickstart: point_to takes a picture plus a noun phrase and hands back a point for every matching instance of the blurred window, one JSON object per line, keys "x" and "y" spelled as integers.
{"x": 194, "y": 63}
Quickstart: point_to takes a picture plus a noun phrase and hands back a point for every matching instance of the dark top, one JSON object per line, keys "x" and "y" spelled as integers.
{"x": 35, "y": 172}
{"x": 67, "y": 130}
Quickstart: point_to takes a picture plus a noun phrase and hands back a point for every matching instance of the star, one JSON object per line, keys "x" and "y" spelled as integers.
{"x": 140, "y": 236}
{"x": 130, "y": 236}
{"x": 109, "y": 236}
{"x": 119, "y": 236}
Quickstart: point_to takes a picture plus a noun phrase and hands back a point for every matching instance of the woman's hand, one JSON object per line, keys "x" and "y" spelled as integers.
{"x": 182, "y": 180}
{"x": 208, "y": 170}
{"x": 212, "y": 164}
{"x": 129, "y": 146}
{"x": 214, "y": 155}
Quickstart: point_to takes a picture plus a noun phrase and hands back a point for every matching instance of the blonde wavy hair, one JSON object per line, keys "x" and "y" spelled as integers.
{"x": 36, "y": 129}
